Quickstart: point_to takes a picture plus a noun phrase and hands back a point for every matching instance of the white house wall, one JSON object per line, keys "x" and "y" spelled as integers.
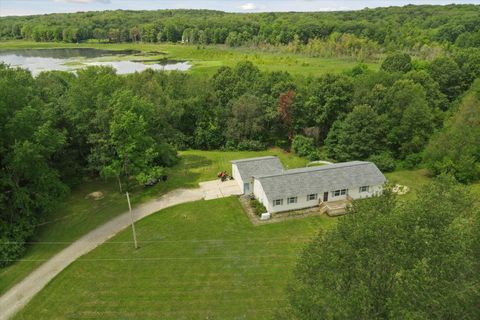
{"x": 259, "y": 194}
{"x": 237, "y": 177}
{"x": 302, "y": 201}
{"x": 372, "y": 190}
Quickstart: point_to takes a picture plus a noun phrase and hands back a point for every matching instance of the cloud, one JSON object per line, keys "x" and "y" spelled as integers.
{"x": 248, "y": 6}
{"x": 82, "y": 1}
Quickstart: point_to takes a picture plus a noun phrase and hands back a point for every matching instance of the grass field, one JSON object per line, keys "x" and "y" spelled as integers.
{"x": 202, "y": 260}
{"x": 206, "y": 60}
{"x": 78, "y": 215}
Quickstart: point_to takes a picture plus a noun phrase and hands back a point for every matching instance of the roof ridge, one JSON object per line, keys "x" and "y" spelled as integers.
{"x": 319, "y": 168}
{"x": 254, "y": 159}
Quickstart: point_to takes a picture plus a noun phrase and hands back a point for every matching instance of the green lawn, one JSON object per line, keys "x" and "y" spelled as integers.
{"x": 78, "y": 215}
{"x": 206, "y": 60}
{"x": 414, "y": 179}
{"x": 201, "y": 260}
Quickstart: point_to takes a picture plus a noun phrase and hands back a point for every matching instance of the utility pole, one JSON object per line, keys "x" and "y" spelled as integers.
{"x": 133, "y": 225}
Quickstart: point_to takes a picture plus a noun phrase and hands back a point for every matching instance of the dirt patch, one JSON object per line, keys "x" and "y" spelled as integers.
{"x": 96, "y": 195}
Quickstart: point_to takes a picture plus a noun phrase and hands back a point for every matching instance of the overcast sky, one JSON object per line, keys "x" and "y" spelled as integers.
{"x": 26, "y": 7}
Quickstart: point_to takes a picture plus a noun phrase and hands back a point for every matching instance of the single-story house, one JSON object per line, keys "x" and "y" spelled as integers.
{"x": 284, "y": 190}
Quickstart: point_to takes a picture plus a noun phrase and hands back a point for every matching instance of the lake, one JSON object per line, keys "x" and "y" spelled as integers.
{"x": 71, "y": 59}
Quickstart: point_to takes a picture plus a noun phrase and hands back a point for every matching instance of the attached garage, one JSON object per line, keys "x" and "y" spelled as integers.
{"x": 244, "y": 170}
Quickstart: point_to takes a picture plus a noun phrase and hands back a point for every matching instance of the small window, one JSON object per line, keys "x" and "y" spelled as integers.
{"x": 278, "y": 202}
{"x": 336, "y": 193}
{"x": 343, "y": 192}
{"x": 364, "y": 189}
{"x": 312, "y": 196}
{"x": 291, "y": 200}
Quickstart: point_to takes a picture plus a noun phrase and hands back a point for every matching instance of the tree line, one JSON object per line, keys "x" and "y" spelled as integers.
{"x": 59, "y": 127}
{"x": 418, "y": 28}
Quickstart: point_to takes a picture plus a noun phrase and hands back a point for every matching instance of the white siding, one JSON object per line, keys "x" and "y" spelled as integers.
{"x": 372, "y": 190}
{"x": 260, "y": 195}
{"x": 302, "y": 201}
{"x": 237, "y": 177}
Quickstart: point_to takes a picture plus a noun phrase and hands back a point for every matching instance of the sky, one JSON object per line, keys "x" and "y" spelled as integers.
{"x": 28, "y": 7}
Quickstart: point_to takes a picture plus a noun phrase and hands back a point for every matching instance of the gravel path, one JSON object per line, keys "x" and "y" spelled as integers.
{"x": 19, "y": 295}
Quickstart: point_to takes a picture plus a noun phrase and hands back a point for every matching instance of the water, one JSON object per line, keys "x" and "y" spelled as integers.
{"x": 66, "y": 59}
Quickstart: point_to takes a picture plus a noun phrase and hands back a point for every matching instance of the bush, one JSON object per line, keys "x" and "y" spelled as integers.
{"x": 397, "y": 62}
{"x": 257, "y": 207}
{"x": 251, "y": 145}
{"x": 412, "y": 161}
{"x": 384, "y": 161}
{"x": 314, "y": 155}
{"x": 303, "y": 146}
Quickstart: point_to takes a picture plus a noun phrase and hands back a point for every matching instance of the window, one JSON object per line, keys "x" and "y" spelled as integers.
{"x": 312, "y": 196}
{"x": 291, "y": 200}
{"x": 337, "y": 193}
{"x": 364, "y": 189}
{"x": 278, "y": 202}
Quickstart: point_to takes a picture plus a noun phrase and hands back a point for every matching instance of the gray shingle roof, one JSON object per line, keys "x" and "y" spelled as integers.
{"x": 258, "y": 166}
{"x": 304, "y": 181}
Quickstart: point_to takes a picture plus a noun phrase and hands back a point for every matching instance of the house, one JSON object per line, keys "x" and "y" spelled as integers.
{"x": 284, "y": 190}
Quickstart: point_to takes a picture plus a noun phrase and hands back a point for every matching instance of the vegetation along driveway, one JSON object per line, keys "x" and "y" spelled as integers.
{"x": 18, "y": 296}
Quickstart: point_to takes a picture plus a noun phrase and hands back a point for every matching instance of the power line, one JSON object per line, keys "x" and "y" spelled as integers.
{"x": 255, "y": 241}
{"x": 156, "y": 259}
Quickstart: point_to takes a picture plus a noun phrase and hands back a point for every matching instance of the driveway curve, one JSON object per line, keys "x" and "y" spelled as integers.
{"x": 18, "y": 296}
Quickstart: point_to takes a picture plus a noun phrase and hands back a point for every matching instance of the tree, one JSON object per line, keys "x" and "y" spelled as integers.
{"x": 247, "y": 120}
{"x": 133, "y": 147}
{"x": 398, "y": 62}
{"x": 409, "y": 118}
{"x": 329, "y": 99}
{"x": 303, "y": 146}
{"x": 456, "y": 149}
{"x": 359, "y": 136}
{"x": 285, "y": 110}
{"x": 448, "y": 75}
{"x": 30, "y": 185}
{"x": 384, "y": 260}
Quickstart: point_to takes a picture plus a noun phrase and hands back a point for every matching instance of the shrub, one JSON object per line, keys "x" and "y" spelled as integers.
{"x": 251, "y": 145}
{"x": 384, "y": 161}
{"x": 258, "y": 207}
{"x": 314, "y": 155}
{"x": 302, "y": 145}
{"x": 412, "y": 160}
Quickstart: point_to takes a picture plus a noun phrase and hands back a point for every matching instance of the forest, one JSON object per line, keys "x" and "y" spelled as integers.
{"x": 423, "y": 30}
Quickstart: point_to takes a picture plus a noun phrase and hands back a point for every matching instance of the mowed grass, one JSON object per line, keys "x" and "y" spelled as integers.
{"x": 201, "y": 260}
{"x": 206, "y": 60}
{"x": 77, "y": 215}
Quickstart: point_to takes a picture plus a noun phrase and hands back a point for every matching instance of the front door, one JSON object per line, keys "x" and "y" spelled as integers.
{"x": 246, "y": 188}
{"x": 325, "y": 196}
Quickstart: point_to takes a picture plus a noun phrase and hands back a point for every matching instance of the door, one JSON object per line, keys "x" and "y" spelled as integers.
{"x": 246, "y": 188}
{"x": 325, "y": 196}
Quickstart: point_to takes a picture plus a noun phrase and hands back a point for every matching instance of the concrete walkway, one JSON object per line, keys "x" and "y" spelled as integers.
{"x": 19, "y": 295}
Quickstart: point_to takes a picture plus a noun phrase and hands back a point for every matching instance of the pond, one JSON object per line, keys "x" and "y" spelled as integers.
{"x": 71, "y": 59}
